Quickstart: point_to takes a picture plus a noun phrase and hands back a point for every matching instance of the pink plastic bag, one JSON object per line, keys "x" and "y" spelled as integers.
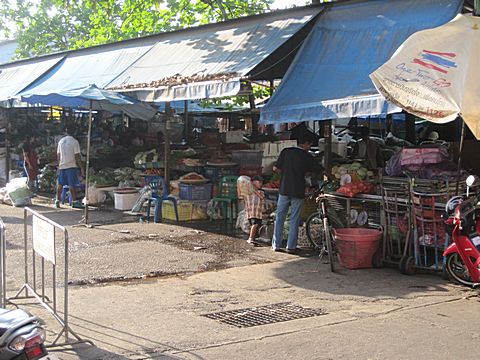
{"x": 422, "y": 156}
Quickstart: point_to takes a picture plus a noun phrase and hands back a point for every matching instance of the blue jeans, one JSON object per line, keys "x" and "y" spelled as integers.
{"x": 295, "y": 204}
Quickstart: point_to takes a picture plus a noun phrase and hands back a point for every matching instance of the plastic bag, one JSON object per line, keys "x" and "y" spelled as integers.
{"x": 18, "y": 192}
{"x": 145, "y": 194}
{"x": 244, "y": 186}
{"x": 95, "y": 196}
{"x": 214, "y": 210}
{"x": 242, "y": 222}
{"x": 354, "y": 188}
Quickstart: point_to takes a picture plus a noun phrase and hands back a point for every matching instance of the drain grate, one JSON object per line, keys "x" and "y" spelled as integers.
{"x": 263, "y": 315}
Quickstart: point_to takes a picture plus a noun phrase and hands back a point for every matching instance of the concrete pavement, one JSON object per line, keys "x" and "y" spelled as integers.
{"x": 371, "y": 314}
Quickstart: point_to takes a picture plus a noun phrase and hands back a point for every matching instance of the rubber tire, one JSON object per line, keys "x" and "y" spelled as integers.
{"x": 409, "y": 266}
{"x": 451, "y": 273}
{"x": 312, "y": 220}
{"x": 401, "y": 264}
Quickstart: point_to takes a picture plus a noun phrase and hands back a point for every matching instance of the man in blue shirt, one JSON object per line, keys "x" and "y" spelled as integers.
{"x": 293, "y": 164}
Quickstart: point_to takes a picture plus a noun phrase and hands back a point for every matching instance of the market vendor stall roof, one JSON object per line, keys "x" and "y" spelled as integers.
{"x": 90, "y": 66}
{"x": 16, "y": 77}
{"x": 329, "y": 77}
{"x": 210, "y": 61}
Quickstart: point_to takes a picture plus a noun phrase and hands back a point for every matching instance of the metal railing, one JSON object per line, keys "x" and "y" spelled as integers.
{"x": 42, "y": 244}
{"x": 3, "y": 254}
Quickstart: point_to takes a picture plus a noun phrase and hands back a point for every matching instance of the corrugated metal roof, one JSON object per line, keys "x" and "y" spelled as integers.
{"x": 217, "y": 56}
{"x": 210, "y": 58}
{"x": 15, "y": 78}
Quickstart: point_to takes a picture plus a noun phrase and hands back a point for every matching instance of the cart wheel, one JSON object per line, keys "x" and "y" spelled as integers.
{"x": 409, "y": 266}
{"x": 377, "y": 261}
{"x": 401, "y": 264}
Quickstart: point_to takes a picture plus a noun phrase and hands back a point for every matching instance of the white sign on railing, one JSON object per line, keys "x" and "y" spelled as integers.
{"x": 43, "y": 239}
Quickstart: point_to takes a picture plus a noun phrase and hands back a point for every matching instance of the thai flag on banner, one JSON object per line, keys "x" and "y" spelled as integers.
{"x": 438, "y": 61}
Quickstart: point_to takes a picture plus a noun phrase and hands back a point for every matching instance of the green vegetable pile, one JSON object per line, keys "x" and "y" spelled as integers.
{"x": 356, "y": 169}
{"x": 46, "y": 154}
{"x": 47, "y": 180}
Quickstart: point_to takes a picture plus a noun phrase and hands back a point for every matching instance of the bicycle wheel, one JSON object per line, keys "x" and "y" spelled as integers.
{"x": 314, "y": 228}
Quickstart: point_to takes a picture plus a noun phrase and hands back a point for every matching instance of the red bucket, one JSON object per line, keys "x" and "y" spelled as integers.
{"x": 356, "y": 246}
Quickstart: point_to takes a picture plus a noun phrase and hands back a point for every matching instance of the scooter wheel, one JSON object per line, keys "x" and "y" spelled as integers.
{"x": 409, "y": 266}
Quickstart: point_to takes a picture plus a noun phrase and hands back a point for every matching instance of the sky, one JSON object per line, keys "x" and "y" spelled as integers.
{"x": 282, "y": 4}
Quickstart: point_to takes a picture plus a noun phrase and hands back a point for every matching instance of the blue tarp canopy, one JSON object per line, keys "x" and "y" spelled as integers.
{"x": 92, "y": 98}
{"x": 329, "y": 77}
{"x": 97, "y": 65}
{"x": 16, "y": 77}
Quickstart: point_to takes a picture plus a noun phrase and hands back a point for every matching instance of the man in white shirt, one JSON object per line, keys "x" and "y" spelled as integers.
{"x": 69, "y": 161}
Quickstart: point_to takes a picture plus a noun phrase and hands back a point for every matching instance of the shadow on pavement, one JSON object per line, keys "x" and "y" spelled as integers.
{"x": 313, "y": 274}
{"x": 121, "y": 340}
{"x": 70, "y": 217}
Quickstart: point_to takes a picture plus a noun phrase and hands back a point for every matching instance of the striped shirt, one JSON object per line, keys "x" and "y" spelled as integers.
{"x": 254, "y": 204}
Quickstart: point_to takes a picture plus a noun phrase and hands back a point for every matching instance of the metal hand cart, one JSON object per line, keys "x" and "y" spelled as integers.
{"x": 397, "y": 235}
{"x": 429, "y": 238}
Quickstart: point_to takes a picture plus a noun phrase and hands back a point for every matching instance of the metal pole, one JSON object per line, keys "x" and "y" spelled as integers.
{"x": 88, "y": 161}
{"x": 7, "y": 141}
{"x": 166, "y": 167}
{"x": 253, "y": 113}
{"x": 65, "y": 299}
{"x": 25, "y": 243}
{"x": 327, "y": 156}
{"x": 185, "y": 128}
{"x": 462, "y": 137}
{"x": 476, "y": 7}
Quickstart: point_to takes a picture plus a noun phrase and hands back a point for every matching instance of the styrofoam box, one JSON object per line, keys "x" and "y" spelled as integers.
{"x": 125, "y": 201}
{"x": 275, "y": 148}
{"x": 267, "y": 164}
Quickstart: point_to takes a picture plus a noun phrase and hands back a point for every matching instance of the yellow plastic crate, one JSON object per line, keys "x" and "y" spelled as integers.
{"x": 185, "y": 211}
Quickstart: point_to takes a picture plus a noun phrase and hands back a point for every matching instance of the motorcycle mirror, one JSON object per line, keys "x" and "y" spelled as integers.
{"x": 470, "y": 180}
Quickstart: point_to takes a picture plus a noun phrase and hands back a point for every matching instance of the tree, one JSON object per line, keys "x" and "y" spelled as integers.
{"x": 45, "y": 26}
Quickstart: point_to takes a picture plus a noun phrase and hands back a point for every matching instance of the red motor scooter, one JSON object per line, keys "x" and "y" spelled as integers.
{"x": 462, "y": 256}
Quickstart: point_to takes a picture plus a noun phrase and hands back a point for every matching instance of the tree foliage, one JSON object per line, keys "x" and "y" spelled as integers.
{"x": 45, "y": 26}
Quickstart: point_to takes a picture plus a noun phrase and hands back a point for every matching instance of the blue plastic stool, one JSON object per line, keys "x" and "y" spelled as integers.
{"x": 155, "y": 183}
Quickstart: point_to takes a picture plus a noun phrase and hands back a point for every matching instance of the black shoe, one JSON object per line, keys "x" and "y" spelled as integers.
{"x": 291, "y": 251}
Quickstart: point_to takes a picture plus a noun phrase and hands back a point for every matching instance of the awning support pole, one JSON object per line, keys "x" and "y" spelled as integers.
{"x": 327, "y": 155}
{"x": 87, "y": 167}
{"x": 462, "y": 137}
{"x": 253, "y": 114}
{"x": 185, "y": 128}
{"x": 166, "y": 167}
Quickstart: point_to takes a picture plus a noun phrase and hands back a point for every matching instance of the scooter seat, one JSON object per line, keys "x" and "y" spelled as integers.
{"x": 9, "y": 318}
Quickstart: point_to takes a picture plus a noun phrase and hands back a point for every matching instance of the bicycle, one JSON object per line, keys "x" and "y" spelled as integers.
{"x": 314, "y": 224}
{"x": 323, "y": 240}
